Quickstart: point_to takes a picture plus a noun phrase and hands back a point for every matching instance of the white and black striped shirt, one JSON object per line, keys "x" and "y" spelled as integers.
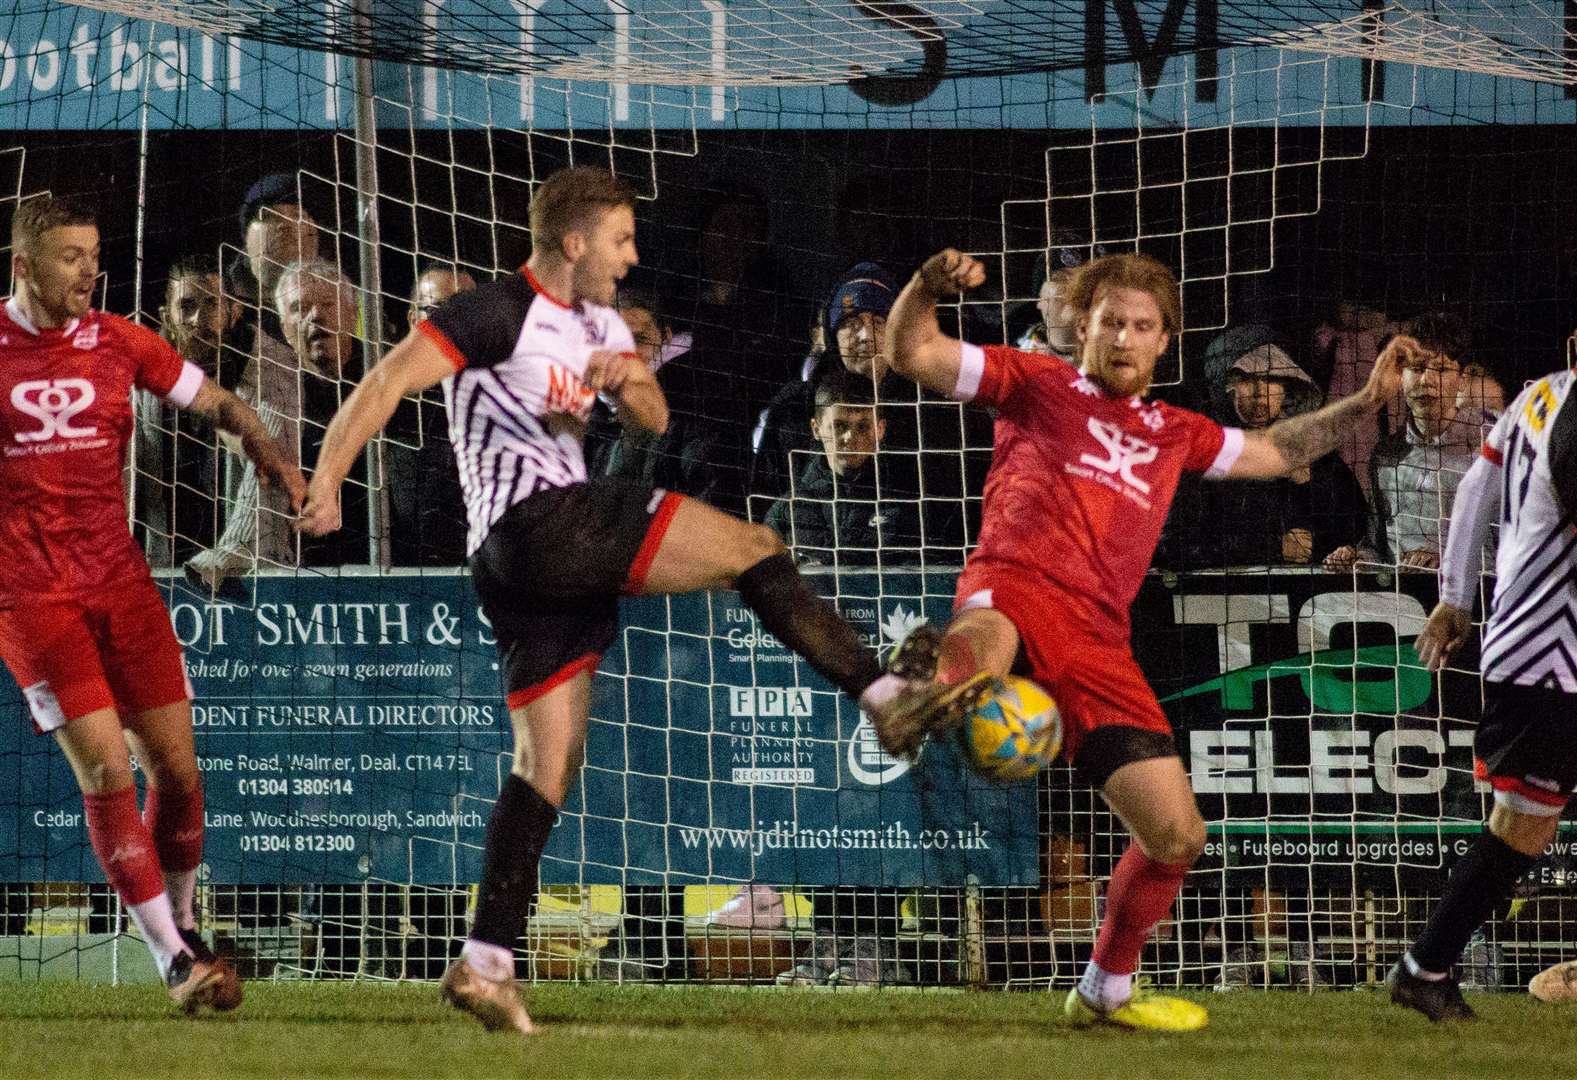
{"x": 517, "y": 402}
{"x": 1530, "y": 632}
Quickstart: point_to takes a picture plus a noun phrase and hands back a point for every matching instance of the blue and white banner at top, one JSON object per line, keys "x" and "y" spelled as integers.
{"x": 710, "y": 64}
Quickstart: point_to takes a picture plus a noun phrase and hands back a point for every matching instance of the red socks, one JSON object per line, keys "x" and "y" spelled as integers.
{"x": 1139, "y": 895}
{"x": 123, "y": 845}
{"x": 175, "y": 821}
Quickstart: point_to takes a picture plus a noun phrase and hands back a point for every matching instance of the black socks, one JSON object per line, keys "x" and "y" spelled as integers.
{"x": 1480, "y": 883}
{"x": 516, "y": 834}
{"x": 796, "y": 616}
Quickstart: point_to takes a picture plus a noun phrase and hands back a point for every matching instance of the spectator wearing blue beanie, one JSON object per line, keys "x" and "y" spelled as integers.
{"x": 852, "y": 324}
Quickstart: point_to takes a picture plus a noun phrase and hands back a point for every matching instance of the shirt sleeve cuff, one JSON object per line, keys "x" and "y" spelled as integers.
{"x": 971, "y": 369}
{"x": 445, "y": 345}
{"x": 1227, "y": 456}
{"x": 184, "y": 392}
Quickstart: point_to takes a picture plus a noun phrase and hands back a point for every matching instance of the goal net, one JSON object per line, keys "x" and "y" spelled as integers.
{"x": 1317, "y": 175}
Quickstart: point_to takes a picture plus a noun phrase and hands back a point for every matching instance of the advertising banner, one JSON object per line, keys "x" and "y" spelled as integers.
{"x": 1313, "y": 736}
{"x": 354, "y": 726}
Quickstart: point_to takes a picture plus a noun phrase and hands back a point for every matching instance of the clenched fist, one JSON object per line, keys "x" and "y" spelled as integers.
{"x": 950, "y": 271}
{"x": 607, "y": 372}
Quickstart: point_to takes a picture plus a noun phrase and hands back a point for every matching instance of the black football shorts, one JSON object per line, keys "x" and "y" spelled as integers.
{"x": 1526, "y": 746}
{"x": 551, "y": 572}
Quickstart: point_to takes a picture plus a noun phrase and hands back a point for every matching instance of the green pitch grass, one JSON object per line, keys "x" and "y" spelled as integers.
{"x": 339, "y": 1030}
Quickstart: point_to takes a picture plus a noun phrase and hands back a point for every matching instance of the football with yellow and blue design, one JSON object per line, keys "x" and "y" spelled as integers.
{"x": 1013, "y": 733}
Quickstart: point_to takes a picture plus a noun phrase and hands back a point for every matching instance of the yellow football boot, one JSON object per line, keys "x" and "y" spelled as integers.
{"x": 1144, "y": 1011}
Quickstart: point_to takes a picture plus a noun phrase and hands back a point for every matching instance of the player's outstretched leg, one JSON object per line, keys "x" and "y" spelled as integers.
{"x": 699, "y": 547}
{"x": 1152, "y": 797}
{"x": 704, "y": 548}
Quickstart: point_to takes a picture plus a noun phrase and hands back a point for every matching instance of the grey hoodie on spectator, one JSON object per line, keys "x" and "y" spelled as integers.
{"x": 1245, "y": 522}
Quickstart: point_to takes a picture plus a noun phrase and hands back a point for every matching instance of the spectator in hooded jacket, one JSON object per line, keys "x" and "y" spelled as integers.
{"x": 1295, "y": 520}
{"x": 853, "y": 325}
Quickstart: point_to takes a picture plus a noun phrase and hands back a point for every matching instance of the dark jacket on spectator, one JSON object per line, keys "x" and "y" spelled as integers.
{"x": 427, "y": 522}
{"x": 785, "y": 432}
{"x": 915, "y": 422}
{"x": 841, "y": 520}
{"x": 1217, "y": 523}
{"x": 738, "y": 356}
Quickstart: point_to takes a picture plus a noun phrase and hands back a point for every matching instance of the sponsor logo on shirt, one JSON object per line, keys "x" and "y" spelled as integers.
{"x": 54, "y": 403}
{"x": 595, "y": 333}
{"x": 1122, "y": 454}
{"x": 567, "y": 394}
{"x": 1149, "y": 415}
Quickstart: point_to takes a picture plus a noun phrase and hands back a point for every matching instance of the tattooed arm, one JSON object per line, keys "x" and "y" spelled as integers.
{"x": 1295, "y": 442}
{"x": 235, "y": 417}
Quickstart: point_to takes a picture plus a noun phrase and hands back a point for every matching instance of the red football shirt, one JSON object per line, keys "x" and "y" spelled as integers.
{"x": 65, "y": 419}
{"x": 1081, "y": 481}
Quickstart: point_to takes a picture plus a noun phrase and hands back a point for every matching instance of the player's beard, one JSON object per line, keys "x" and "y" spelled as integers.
{"x": 595, "y": 282}
{"x": 1116, "y": 381}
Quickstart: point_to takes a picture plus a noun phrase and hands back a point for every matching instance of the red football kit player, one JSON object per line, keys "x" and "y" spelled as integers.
{"x": 1083, "y": 472}
{"x": 83, "y": 628}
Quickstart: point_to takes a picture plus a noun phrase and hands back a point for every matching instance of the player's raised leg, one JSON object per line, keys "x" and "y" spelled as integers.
{"x": 935, "y": 678}
{"x": 1153, "y": 798}
{"x": 699, "y": 547}
{"x": 549, "y": 742}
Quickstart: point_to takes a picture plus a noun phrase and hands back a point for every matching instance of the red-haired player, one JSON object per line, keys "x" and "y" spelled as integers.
{"x": 1083, "y": 471}
{"x": 83, "y": 628}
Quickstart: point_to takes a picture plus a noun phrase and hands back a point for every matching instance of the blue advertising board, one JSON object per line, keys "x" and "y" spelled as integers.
{"x": 353, "y": 727}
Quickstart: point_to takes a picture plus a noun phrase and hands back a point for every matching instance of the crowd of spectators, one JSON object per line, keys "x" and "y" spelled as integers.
{"x": 783, "y": 414}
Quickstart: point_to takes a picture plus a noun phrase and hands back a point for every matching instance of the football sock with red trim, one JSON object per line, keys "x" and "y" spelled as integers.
{"x": 517, "y": 832}
{"x": 1481, "y": 881}
{"x": 796, "y": 616}
{"x": 175, "y": 821}
{"x": 1139, "y": 895}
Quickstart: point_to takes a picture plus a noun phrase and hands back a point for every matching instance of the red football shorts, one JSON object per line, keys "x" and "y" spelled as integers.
{"x": 1095, "y": 681}
{"x": 72, "y": 657}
